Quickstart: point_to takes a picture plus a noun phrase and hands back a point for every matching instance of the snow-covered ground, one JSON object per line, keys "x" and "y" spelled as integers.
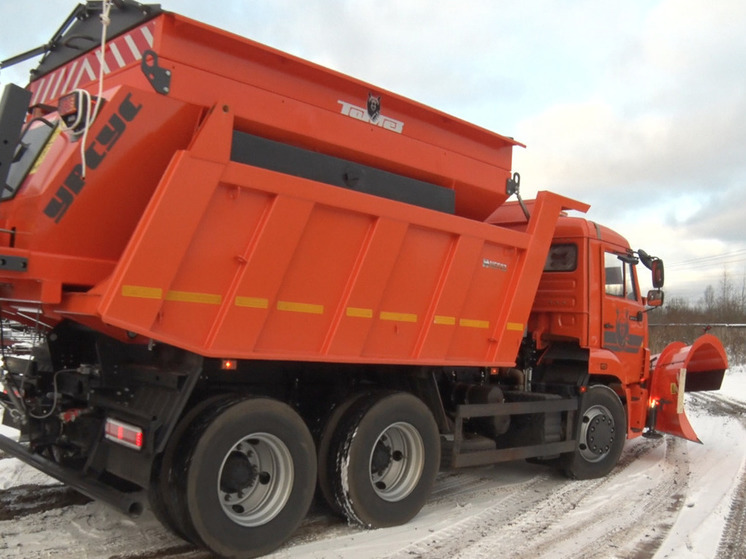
{"x": 668, "y": 498}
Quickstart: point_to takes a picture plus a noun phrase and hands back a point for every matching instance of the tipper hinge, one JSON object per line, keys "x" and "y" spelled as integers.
{"x": 159, "y": 78}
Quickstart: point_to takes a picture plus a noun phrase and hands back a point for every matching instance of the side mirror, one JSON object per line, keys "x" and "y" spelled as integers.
{"x": 654, "y": 264}
{"x": 658, "y": 276}
{"x": 655, "y": 298}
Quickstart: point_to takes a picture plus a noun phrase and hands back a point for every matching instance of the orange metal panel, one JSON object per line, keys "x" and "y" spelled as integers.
{"x": 179, "y": 244}
{"x": 680, "y": 367}
{"x": 232, "y": 260}
{"x": 288, "y": 99}
{"x": 73, "y": 230}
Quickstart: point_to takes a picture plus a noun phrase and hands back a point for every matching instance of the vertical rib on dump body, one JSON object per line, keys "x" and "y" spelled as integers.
{"x": 255, "y": 205}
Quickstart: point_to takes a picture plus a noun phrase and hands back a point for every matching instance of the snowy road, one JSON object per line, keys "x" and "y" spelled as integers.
{"x": 667, "y": 498}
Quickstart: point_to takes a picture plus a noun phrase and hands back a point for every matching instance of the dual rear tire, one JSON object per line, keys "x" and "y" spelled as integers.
{"x": 378, "y": 459}
{"x": 240, "y": 478}
{"x": 239, "y": 474}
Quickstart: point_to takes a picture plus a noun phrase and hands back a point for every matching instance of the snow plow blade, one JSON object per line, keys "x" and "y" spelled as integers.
{"x": 677, "y": 369}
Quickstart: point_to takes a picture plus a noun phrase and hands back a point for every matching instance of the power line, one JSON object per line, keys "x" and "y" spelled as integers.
{"x": 730, "y": 257}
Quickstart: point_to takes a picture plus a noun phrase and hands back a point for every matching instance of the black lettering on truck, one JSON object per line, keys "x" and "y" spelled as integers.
{"x": 95, "y": 154}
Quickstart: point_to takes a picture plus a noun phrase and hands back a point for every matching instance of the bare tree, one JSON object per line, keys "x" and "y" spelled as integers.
{"x": 709, "y": 305}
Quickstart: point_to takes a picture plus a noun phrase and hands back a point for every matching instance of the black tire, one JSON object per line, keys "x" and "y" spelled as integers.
{"x": 164, "y": 502}
{"x": 601, "y": 432}
{"x": 326, "y": 452}
{"x": 387, "y": 455}
{"x": 244, "y": 477}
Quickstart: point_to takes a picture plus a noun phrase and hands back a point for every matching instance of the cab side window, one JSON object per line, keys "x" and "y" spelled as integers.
{"x": 619, "y": 279}
{"x": 562, "y": 258}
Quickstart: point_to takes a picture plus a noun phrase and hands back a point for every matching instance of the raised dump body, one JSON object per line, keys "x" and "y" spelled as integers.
{"x": 258, "y": 279}
{"x": 188, "y": 228}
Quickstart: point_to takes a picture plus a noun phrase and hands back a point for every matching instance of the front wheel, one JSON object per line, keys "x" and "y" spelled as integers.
{"x": 247, "y": 476}
{"x": 387, "y": 455}
{"x": 601, "y": 433}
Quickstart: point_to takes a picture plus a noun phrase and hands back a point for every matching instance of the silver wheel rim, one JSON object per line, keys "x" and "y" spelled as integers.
{"x": 255, "y": 479}
{"x": 597, "y": 433}
{"x": 396, "y": 462}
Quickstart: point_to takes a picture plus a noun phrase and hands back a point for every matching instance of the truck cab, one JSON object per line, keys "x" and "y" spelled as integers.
{"x": 589, "y": 324}
{"x": 589, "y": 307}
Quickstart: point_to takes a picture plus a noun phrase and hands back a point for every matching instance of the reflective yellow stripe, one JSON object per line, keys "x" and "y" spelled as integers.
{"x": 469, "y": 323}
{"x": 142, "y": 292}
{"x": 252, "y": 302}
{"x": 359, "y": 312}
{"x": 300, "y": 307}
{"x": 398, "y": 316}
{"x": 191, "y": 297}
{"x": 515, "y": 326}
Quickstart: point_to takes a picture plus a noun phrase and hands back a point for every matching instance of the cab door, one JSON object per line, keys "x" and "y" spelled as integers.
{"x": 623, "y": 321}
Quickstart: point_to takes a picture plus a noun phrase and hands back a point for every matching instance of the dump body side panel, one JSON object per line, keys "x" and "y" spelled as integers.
{"x": 237, "y": 261}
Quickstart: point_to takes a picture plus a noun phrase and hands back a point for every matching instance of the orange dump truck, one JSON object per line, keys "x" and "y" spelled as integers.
{"x": 256, "y": 277}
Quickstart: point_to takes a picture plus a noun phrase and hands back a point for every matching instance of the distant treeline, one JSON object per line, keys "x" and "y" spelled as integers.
{"x": 721, "y": 311}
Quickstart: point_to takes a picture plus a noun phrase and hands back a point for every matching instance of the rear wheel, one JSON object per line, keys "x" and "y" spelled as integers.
{"x": 164, "y": 500}
{"x": 387, "y": 455}
{"x": 246, "y": 476}
{"x": 601, "y": 434}
{"x": 326, "y": 458}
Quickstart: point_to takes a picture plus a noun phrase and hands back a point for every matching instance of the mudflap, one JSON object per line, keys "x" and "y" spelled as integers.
{"x": 677, "y": 369}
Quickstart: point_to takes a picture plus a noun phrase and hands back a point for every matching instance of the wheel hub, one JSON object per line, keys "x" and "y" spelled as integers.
{"x": 601, "y": 434}
{"x": 597, "y": 434}
{"x": 396, "y": 462}
{"x": 255, "y": 479}
{"x": 381, "y": 457}
{"x": 238, "y": 473}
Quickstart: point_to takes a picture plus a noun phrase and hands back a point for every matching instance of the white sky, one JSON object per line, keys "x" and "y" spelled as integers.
{"x": 636, "y": 107}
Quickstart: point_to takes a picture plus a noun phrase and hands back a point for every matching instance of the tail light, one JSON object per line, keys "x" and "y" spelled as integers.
{"x": 74, "y": 109}
{"x": 124, "y": 434}
{"x": 229, "y": 364}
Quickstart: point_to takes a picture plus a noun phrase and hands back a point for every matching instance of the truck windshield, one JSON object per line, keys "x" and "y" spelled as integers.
{"x": 33, "y": 141}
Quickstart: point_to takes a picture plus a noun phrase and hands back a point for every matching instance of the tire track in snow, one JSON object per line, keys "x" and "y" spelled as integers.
{"x": 732, "y": 540}
{"x": 24, "y": 500}
{"x": 507, "y": 502}
{"x": 597, "y": 522}
{"x": 519, "y": 525}
{"x": 451, "y": 483}
{"x": 731, "y": 544}
{"x": 186, "y": 551}
{"x": 719, "y": 404}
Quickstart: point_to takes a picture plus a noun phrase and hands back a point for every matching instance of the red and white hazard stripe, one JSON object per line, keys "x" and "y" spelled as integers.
{"x": 120, "y": 52}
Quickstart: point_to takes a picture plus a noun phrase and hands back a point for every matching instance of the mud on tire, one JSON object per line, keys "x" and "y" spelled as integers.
{"x": 386, "y": 456}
